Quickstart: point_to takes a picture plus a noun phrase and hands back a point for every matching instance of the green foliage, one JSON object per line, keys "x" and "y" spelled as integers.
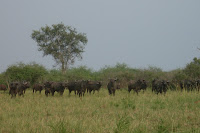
{"x": 2, "y": 79}
{"x": 79, "y": 73}
{"x": 34, "y": 72}
{"x": 62, "y": 42}
{"x": 192, "y": 70}
{"x": 150, "y": 73}
{"x": 178, "y": 75}
{"x": 120, "y": 71}
{"x": 117, "y": 70}
{"x": 25, "y": 72}
{"x": 54, "y": 75}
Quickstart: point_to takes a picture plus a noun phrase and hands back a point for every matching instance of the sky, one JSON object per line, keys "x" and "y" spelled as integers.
{"x": 139, "y": 33}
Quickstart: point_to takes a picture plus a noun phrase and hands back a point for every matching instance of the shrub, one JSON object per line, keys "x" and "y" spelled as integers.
{"x": 25, "y": 72}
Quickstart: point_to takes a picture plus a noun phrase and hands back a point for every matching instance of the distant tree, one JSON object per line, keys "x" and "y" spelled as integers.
{"x": 178, "y": 75}
{"x": 192, "y": 69}
{"x": 154, "y": 69}
{"x": 62, "y": 42}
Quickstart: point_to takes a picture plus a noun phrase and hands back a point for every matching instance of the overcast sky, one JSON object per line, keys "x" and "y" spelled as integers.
{"x": 140, "y": 33}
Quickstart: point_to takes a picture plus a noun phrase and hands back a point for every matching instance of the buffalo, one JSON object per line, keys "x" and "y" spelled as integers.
{"x": 3, "y": 87}
{"x": 112, "y": 86}
{"x": 80, "y": 87}
{"x": 137, "y": 86}
{"x": 71, "y": 87}
{"x": 47, "y": 87}
{"x": 159, "y": 86}
{"x": 188, "y": 85}
{"x": 57, "y": 87}
{"x": 18, "y": 88}
{"x": 38, "y": 87}
{"x": 93, "y": 85}
{"x": 23, "y": 86}
{"x": 52, "y": 87}
{"x": 13, "y": 89}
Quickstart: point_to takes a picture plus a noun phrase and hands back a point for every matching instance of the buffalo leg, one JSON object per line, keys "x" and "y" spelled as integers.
{"x": 53, "y": 93}
{"x": 113, "y": 92}
{"x": 109, "y": 91}
{"x": 70, "y": 92}
{"x": 90, "y": 92}
{"x": 129, "y": 90}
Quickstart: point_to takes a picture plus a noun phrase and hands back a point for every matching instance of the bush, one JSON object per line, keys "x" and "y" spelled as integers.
{"x": 192, "y": 70}
{"x": 2, "y": 79}
{"x": 25, "y": 72}
{"x": 36, "y": 73}
{"x": 80, "y": 73}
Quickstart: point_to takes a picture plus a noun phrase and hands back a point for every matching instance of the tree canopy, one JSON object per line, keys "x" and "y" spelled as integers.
{"x": 62, "y": 42}
{"x": 192, "y": 70}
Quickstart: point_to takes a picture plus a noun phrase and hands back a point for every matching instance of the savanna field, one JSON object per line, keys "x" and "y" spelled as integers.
{"x": 100, "y": 113}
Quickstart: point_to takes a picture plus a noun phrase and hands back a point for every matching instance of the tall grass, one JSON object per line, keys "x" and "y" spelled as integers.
{"x": 99, "y": 113}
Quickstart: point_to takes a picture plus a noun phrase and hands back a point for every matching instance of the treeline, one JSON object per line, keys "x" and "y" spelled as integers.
{"x": 36, "y": 73}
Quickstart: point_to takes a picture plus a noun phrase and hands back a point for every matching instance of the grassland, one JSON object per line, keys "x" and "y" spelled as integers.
{"x": 100, "y": 113}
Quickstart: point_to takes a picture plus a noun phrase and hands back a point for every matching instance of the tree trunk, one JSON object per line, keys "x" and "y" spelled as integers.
{"x": 7, "y": 82}
{"x": 63, "y": 68}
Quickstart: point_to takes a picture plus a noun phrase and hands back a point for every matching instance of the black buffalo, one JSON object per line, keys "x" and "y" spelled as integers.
{"x": 18, "y": 88}
{"x": 137, "y": 86}
{"x": 159, "y": 86}
{"x": 47, "y": 87}
{"x": 80, "y": 87}
{"x": 112, "y": 86}
{"x": 38, "y": 87}
{"x": 188, "y": 85}
{"x": 23, "y": 86}
{"x": 52, "y": 87}
{"x": 3, "y": 87}
{"x": 13, "y": 89}
{"x": 71, "y": 87}
{"x": 93, "y": 85}
{"x": 57, "y": 87}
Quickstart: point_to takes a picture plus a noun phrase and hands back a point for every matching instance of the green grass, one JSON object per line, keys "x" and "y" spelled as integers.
{"x": 100, "y": 113}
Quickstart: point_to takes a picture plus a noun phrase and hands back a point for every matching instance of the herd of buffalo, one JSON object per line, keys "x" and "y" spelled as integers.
{"x": 80, "y": 87}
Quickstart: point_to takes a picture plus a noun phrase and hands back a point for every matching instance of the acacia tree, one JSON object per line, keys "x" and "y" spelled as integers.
{"x": 62, "y": 42}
